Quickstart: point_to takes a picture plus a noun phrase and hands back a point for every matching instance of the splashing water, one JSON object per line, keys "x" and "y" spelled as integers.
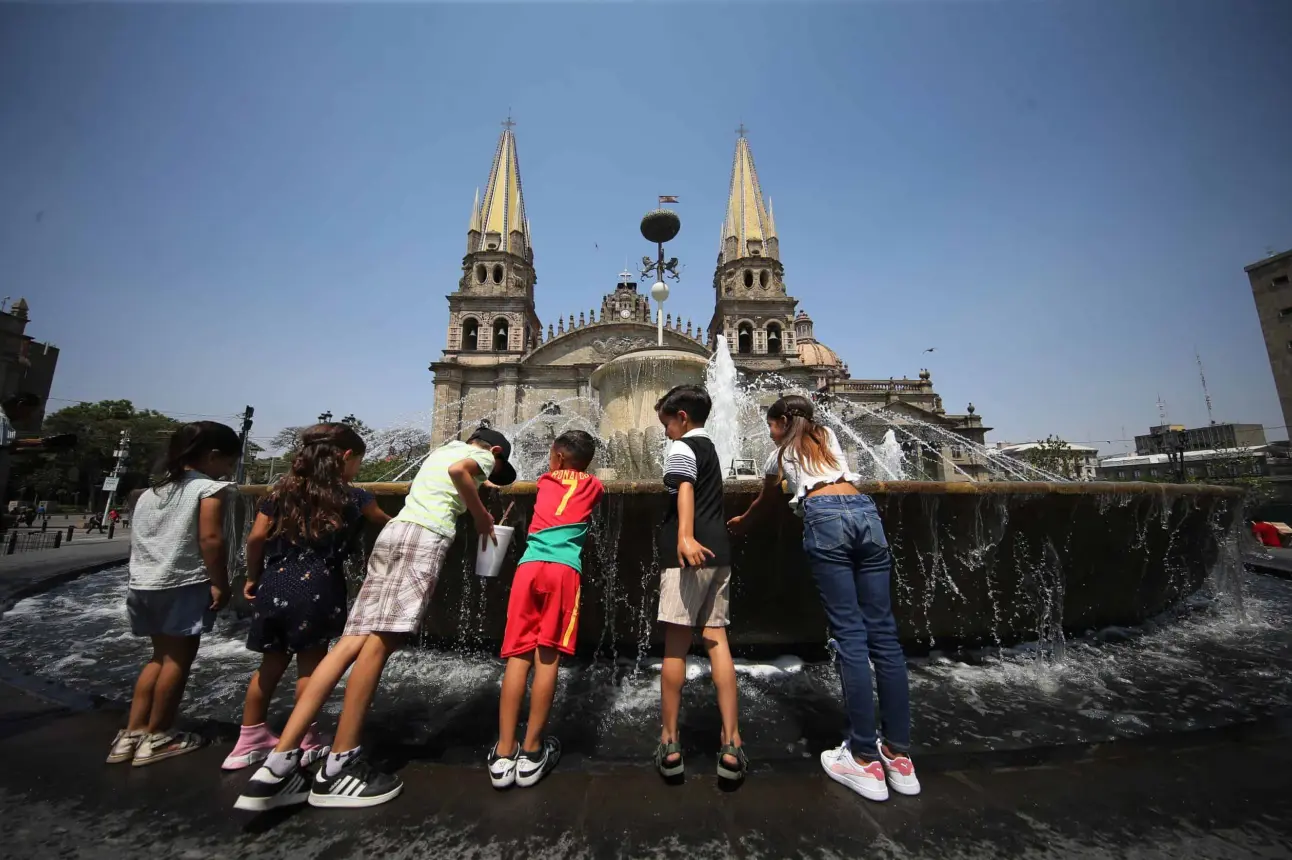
{"x": 891, "y": 456}
{"x": 720, "y": 379}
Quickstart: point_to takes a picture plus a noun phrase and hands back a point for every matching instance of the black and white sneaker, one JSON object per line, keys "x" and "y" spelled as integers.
{"x": 356, "y": 785}
{"x": 502, "y": 768}
{"x": 533, "y": 766}
{"x": 268, "y": 790}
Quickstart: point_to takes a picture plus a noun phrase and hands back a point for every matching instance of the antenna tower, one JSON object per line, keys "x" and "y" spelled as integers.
{"x": 1205, "y": 395}
{"x": 1161, "y": 410}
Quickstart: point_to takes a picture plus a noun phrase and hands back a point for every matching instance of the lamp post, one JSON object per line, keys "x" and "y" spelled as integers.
{"x": 660, "y": 226}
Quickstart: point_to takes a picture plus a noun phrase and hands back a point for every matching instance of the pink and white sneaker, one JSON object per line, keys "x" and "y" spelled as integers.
{"x": 900, "y": 771}
{"x": 314, "y": 745}
{"x": 255, "y": 743}
{"x": 868, "y": 780}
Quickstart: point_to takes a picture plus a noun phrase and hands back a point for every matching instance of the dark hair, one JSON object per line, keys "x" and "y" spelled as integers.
{"x": 309, "y": 499}
{"x": 691, "y": 399}
{"x": 806, "y": 438}
{"x": 190, "y": 443}
{"x": 578, "y": 446}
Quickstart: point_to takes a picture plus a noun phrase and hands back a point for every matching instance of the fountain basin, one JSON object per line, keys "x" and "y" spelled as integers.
{"x": 973, "y": 563}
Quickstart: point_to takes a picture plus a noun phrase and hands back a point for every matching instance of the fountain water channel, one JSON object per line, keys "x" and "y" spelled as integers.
{"x": 1035, "y": 610}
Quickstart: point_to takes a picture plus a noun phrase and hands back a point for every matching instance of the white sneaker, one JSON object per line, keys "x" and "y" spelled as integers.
{"x": 163, "y": 745}
{"x": 502, "y": 768}
{"x": 867, "y": 781}
{"x": 124, "y": 746}
{"x": 900, "y": 771}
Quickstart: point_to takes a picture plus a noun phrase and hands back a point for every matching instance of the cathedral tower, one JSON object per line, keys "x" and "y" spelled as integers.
{"x": 492, "y": 310}
{"x": 751, "y": 306}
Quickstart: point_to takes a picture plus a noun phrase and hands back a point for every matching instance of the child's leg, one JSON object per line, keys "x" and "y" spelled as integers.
{"x": 723, "y": 670}
{"x": 177, "y": 653}
{"x": 677, "y": 641}
{"x": 323, "y": 681}
{"x": 255, "y": 710}
{"x": 361, "y": 688}
{"x": 513, "y": 694}
{"x": 141, "y": 704}
{"x": 307, "y": 663}
{"x": 540, "y": 696}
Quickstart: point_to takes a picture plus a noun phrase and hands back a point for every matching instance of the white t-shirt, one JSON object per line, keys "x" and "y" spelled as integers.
{"x": 164, "y": 551}
{"x": 799, "y": 479}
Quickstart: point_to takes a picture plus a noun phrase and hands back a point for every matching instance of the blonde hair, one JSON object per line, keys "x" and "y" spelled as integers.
{"x": 809, "y": 441}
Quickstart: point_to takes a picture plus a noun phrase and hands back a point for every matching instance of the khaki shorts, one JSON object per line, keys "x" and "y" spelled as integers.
{"x": 402, "y": 571}
{"x": 695, "y": 596}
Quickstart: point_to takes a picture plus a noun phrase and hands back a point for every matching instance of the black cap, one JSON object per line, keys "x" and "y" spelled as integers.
{"x": 503, "y": 472}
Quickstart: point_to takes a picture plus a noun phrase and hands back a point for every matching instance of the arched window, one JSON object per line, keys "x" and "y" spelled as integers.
{"x": 773, "y": 338}
{"x": 497, "y": 273}
{"x": 749, "y": 278}
{"x": 470, "y": 335}
{"x": 762, "y": 279}
{"x": 745, "y": 339}
{"x": 500, "y": 331}
{"x": 482, "y": 274}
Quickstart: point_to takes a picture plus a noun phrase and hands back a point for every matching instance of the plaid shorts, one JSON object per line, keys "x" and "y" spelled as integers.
{"x": 402, "y": 570}
{"x": 695, "y": 596}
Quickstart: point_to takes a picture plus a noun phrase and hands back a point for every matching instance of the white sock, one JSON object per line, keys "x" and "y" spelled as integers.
{"x": 336, "y": 761}
{"x": 283, "y": 763}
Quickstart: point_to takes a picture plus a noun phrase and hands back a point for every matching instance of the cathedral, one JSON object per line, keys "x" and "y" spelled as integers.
{"x": 500, "y": 364}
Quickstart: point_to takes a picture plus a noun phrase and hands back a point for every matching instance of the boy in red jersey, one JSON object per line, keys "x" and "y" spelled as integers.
{"x": 543, "y": 611}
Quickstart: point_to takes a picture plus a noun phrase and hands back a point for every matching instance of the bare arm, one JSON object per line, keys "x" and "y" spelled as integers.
{"x": 215, "y": 555}
{"x": 373, "y": 513}
{"x": 463, "y": 474}
{"x": 256, "y": 548}
{"x": 690, "y": 553}
{"x": 767, "y": 497}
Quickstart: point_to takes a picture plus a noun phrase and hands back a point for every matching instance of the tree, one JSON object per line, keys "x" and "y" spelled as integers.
{"x": 1055, "y": 456}
{"x": 76, "y": 475}
{"x": 288, "y": 439}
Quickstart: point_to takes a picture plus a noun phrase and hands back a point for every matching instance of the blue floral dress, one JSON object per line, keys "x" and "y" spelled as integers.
{"x": 301, "y": 602}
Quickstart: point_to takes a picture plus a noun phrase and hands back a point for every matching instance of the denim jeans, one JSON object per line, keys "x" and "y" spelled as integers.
{"x": 845, "y": 543}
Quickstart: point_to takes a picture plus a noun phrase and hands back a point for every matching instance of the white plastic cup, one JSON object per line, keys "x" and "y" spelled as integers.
{"x": 489, "y": 560}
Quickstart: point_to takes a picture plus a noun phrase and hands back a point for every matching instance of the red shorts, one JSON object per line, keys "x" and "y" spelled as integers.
{"x": 543, "y": 609}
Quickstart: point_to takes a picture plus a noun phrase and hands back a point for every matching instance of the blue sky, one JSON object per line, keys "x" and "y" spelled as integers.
{"x": 220, "y": 205}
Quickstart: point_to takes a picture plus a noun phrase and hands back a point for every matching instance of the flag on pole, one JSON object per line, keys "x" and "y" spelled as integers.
{"x": 667, "y": 198}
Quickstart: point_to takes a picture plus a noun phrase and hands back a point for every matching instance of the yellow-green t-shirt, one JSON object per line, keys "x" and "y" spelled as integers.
{"x": 433, "y": 502}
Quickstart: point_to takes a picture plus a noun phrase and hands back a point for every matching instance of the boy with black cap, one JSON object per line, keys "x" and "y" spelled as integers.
{"x": 402, "y": 570}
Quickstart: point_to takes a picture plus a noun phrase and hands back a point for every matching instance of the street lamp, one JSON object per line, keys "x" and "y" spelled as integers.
{"x": 660, "y": 226}
{"x": 325, "y": 418}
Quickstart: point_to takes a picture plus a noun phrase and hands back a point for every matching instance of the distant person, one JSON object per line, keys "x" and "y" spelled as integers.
{"x": 29, "y": 517}
{"x": 695, "y": 585}
{"x": 114, "y": 515}
{"x": 543, "y": 610}
{"x": 402, "y": 570}
{"x": 1266, "y": 533}
{"x": 179, "y": 580}
{"x": 305, "y": 529}
{"x": 845, "y": 544}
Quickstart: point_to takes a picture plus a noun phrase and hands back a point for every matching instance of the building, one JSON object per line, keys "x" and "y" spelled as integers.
{"x": 1211, "y": 464}
{"x": 1081, "y": 462}
{"x": 501, "y": 364}
{"x": 1211, "y": 437}
{"x": 26, "y": 367}
{"x": 1272, "y": 290}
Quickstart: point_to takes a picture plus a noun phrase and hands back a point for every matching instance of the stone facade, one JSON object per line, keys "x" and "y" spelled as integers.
{"x": 498, "y": 364}
{"x": 1271, "y": 281}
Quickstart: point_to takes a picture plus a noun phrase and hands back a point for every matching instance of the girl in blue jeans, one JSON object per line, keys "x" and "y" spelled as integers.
{"x": 845, "y": 544}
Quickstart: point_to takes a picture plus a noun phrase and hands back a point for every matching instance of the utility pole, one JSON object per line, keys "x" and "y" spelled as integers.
{"x": 242, "y": 443}
{"x": 110, "y": 483}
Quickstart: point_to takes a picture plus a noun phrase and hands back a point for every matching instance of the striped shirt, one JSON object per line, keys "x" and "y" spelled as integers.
{"x": 693, "y": 460}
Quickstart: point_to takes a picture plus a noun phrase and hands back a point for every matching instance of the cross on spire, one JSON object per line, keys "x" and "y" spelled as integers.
{"x": 740, "y": 132}
{"x": 507, "y": 123}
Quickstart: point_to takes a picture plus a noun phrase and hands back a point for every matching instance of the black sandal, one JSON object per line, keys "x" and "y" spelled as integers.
{"x": 667, "y": 770}
{"x": 742, "y": 763}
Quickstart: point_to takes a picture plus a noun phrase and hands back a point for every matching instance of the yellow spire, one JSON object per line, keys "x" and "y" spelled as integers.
{"x": 474, "y": 223}
{"x": 503, "y": 210}
{"x": 748, "y": 220}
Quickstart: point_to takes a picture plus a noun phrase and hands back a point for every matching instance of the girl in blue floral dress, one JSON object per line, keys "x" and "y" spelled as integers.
{"x": 305, "y": 529}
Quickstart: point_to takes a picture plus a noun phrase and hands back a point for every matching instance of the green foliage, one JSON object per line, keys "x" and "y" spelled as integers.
{"x": 1055, "y": 456}
{"x": 77, "y": 475}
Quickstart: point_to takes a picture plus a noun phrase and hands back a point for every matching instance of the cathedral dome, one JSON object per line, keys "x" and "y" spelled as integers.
{"x": 815, "y": 354}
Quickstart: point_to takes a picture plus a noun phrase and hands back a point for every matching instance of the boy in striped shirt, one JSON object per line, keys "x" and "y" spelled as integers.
{"x": 543, "y": 610}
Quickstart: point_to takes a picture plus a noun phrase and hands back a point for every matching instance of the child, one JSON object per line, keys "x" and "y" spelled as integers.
{"x": 402, "y": 570}
{"x": 543, "y": 611}
{"x": 304, "y": 531}
{"x": 696, "y": 593}
{"x": 179, "y": 579}
{"x": 845, "y": 544}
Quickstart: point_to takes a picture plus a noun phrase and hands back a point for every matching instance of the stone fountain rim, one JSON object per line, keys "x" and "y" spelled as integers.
{"x": 673, "y": 352}
{"x": 880, "y": 488}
